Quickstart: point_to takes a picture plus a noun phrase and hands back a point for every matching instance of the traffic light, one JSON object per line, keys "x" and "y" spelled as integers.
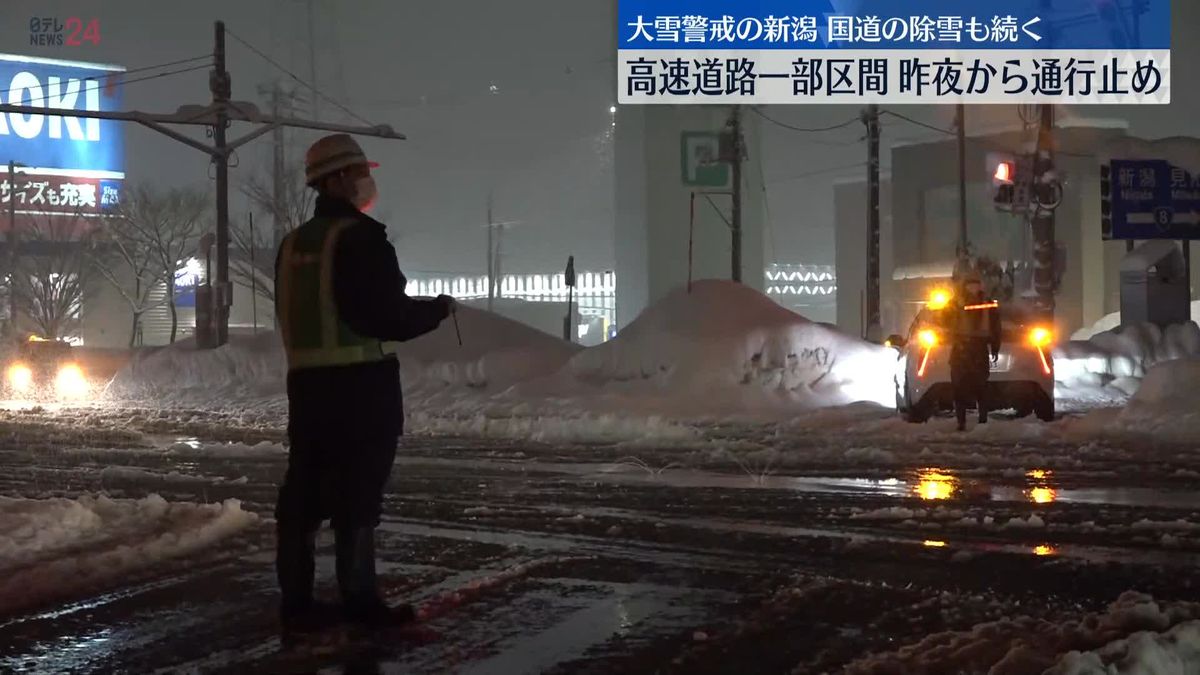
{"x": 1012, "y": 177}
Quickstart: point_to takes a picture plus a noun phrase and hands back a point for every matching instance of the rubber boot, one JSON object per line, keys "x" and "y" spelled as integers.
{"x": 361, "y": 601}
{"x": 295, "y": 565}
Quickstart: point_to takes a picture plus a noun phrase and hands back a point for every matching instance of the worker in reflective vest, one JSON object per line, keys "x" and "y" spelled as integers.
{"x": 339, "y": 295}
{"x": 976, "y": 332}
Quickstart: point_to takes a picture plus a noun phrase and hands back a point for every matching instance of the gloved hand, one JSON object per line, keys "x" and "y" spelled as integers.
{"x": 450, "y": 303}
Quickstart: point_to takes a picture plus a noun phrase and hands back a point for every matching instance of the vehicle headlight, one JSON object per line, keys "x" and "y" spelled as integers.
{"x": 70, "y": 382}
{"x": 928, "y": 338}
{"x": 20, "y": 377}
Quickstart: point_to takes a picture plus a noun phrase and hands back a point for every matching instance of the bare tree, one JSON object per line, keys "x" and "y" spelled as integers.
{"x": 124, "y": 256}
{"x": 292, "y": 208}
{"x": 53, "y": 274}
{"x": 153, "y": 233}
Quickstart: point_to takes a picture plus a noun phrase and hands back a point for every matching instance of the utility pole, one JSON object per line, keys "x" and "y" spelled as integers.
{"x": 872, "y": 327}
{"x": 735, "y": 123}
{"x": 12, "y": 248}
{"x": 222, "y": 88}
{"x": 1042, "y": 223}
{"x": 216, "y": 116}
{"x": 961, "y": 124}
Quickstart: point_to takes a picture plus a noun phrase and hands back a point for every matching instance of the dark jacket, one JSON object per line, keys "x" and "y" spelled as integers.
{"x": 975, "y": 333}
{"x": 369, "y": 292}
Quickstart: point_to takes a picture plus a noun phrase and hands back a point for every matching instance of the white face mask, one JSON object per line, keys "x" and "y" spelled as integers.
{"x": 365, "y": 193}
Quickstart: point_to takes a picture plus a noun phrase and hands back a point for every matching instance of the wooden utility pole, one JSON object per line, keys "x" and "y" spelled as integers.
{"x": 735, "y": 124}
{"x": 12, "y": 248}
{"x": 872, "y": 327}
{"x": 961, "y": 124}
{"x": 222, "y": 88}
{"x": 1042, "y": 222}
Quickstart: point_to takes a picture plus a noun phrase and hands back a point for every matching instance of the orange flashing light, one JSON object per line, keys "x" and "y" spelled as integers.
{"x": 986, "y": 305}
{"x": 1045, "y": 362}
{"x": 924, "y": 362}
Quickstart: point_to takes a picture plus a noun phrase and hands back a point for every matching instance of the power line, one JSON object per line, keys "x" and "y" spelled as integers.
{"x": 295, "y": 77}
{"x": 121, "y": 83}
{"x": 801, "y": 129}
{"x": 168, "y": 64}
{"x": 918, "y": 122}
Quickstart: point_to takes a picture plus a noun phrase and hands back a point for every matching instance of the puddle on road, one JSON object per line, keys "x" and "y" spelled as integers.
{"x": 1040, "y": 486}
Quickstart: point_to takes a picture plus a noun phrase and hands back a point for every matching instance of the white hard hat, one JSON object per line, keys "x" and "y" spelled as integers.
{"x": 331, "y": 154}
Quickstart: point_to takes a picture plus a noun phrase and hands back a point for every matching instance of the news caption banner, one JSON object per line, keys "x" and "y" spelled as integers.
{"x": 893, "y": 51}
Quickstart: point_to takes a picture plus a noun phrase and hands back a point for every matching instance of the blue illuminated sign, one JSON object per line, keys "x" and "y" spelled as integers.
{"x": 93, "y": 147}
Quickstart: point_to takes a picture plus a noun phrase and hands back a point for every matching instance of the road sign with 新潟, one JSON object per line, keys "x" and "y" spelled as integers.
{"x": 700, "y": 153}
{"x": 1149, "y": 199}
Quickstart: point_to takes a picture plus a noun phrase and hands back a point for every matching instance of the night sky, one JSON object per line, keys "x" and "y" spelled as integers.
{"x": 510, "y": 98}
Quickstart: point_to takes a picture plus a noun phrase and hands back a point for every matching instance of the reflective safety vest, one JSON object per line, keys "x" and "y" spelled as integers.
{"x": 314, "y": 335}
{"x": 975, "y": 320}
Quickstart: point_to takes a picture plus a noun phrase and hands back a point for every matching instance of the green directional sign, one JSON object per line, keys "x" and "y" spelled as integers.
{"x": 700, "y": 152}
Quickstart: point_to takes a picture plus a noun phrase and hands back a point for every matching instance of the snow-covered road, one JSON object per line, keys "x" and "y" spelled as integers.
{"x": 843, "y": 541}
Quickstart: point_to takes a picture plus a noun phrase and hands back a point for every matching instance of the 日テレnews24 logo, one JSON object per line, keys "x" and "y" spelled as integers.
{"x": 52, "y": 31}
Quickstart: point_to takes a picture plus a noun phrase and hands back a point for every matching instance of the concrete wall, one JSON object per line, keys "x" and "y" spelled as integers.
{"x": 850, "y": 243}
{"x": 653, "y": 206}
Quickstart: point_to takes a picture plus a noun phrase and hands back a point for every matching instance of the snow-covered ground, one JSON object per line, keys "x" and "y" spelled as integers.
{"x": 52, "y": 548}
{"x": 1134, "y": 635}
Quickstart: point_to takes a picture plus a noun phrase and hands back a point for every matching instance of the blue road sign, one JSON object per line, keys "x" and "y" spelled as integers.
{"x": 1150, "y": 199}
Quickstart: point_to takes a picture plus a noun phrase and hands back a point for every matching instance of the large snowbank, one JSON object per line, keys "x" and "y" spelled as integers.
{"x": 724, "y": 349}
{"x": 1166, "y": 406}
{"x": 249, "y": 367}
{"x": 495, "y": 354}
{"x": 1109, "y": 367}
{"x": 54, "y": 548}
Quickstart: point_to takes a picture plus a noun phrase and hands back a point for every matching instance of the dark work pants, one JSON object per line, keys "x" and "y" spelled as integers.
{"x": 969, "y": 372}
{"x": 335, "y": 473}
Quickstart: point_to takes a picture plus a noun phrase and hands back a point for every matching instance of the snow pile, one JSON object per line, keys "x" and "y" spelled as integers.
{"x": 1175, "y": 652}
{"x": 495, "y": 354}
{"x": 1166, "y": 406}
{"x": 724, "y": 349}
{"x": 1134, "y": 628}
{"x": 249, "y": 367}
{"x": 54, "y": 548}
{"x": 1109, "y": 367}
{"x": 1111, "y": 321}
